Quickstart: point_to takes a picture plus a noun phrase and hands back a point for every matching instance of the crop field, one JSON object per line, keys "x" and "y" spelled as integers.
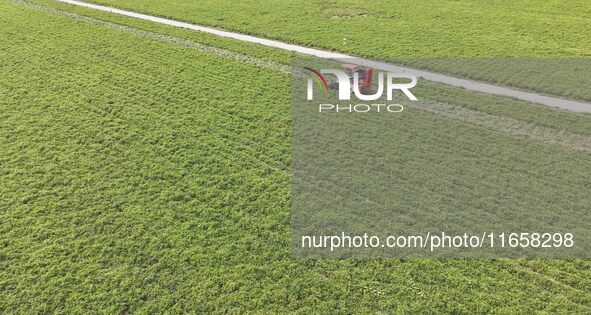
{"x": 146, "y": 169}
{"x": 395, "y": 29}
{"x": 481, "y": 35}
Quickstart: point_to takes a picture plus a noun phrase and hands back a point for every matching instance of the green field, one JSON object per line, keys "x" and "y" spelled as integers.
{"x": 483, "y": 36}
{"x": 397, "y": 29}
{"x": 145, "y": 169}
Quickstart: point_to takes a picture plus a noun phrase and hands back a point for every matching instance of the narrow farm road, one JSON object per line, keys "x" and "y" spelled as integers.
{"x": 575, "y": 106}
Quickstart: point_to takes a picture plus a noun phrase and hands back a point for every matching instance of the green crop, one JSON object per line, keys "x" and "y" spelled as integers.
{"x": 484, "y": 41}
{"x": 398, "y": 29}
{"x": 139, "y": 175}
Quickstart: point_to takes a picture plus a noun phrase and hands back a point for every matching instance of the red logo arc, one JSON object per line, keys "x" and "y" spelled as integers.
{"x": 319, "y": 75}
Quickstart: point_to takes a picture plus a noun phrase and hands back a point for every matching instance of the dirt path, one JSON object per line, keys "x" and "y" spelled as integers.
{"x": 575, "y": 106}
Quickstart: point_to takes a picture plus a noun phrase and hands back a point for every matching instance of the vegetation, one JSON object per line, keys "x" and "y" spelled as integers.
{"x": 480, "y": 35}
{"x": 394, "y": 29}
{"x": 142, "y": 175}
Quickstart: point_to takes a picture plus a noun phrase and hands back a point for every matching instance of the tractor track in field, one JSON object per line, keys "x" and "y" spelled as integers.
{"x": 166, "y": 38}
{"x": 511, "y": 126}
{"x": 571, "y": 105}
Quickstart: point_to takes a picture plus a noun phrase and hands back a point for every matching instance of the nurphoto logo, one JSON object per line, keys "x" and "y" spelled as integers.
{"x": 353, "y": 79}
